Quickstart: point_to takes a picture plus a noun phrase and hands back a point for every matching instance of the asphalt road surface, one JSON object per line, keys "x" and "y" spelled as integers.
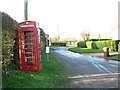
{"x": 87, "y": 71}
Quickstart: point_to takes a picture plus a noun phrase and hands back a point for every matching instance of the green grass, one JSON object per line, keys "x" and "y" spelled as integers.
{"x": 52, "y": 75}
{"x": 87, "y": 50}
{"x": 117, "y": 56}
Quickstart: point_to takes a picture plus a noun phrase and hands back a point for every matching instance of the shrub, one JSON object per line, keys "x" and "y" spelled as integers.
{"x": 43, "y": 43}
{"x": 10, "y": 42}
{"x": 104, "y": 39}
{"x": 82, "y": 44}
{"x": 93, "y": 40}
{"x": 42, "y": 33}
{"x": 98, "y": 39}
{"x": 58, "y": 44}
{"x": 114, "y": 45}
{"x": 101, "y": 44}
{"x": 91, "y": 45}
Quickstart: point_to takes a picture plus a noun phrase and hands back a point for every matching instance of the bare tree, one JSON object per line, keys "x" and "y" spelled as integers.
{"x": 56, "y": 38}
{"x": 74, "y": 40}
{"x": 66, "y": 40}
{"x": 85, "y": 35}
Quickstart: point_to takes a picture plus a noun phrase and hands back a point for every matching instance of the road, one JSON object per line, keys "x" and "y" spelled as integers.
{"x": 87, "y": 71}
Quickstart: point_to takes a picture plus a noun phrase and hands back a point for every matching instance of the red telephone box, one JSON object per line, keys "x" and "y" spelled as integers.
{"x": 30, "y": 46}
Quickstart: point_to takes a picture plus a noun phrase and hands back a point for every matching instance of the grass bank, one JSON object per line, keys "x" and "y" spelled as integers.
{"x": 87, "y": 50}
{"x": 52, "y": 75}
{"x": 117, "y": 56}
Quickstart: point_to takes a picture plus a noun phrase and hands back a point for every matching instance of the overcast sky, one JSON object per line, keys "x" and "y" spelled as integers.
{"x": 68, "y": 17}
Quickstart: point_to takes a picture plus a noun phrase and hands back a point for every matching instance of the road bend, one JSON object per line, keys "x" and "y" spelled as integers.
{"x": 87, "y": 71}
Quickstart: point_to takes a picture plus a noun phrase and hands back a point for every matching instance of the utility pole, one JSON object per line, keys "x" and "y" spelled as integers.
{"x": 25, "y": 10}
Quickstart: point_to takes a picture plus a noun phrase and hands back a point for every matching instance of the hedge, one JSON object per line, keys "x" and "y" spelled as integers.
{"x": 10, "y": 42}
{"x": 112, "y": 44}
{"x": 101, "y": 44}
{"x": 91, "y": 45}
{"x": 58, "y": 44}
{"x": 98, "y": 39}
{"x": 82, "y": 44}
{"x": 43, "y": 43}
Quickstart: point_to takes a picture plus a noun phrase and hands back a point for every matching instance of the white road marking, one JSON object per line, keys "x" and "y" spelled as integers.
{"x": 105, "y": 69}
{"x": 96, "y": 66}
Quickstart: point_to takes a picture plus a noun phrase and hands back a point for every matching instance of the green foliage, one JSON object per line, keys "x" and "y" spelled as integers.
{"x": 112, "y": 44}
{"x": 9, "y": 41}
{"x": 98, "y": 39}
{"x": 102, "y": 44}
{"x": 43, "y": 43}
{"x": 117, "y": 56}
{"x": 91, "y": 45}
{"x": 52, "y": 75}
{"x": 42, "y": 33}
{"x": 58, "y": 44}
{"x": 82, "y": 44}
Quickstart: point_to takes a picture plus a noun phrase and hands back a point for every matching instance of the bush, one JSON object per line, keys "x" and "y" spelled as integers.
{"x": 112, "y": 44}
{"x": 42, "y": 33}
{"x": 98, "y": 39}
{"x": 82, "y": 44}
{"x": 93, "y": 40}
{"x": 104, "y": 39}
{"x": 10, "y": 41}
{"x": 58, "y": 44}
{"x": 101, "y": 44}
{"x": 91, "y": 45}
{"x": 43, "y": 43}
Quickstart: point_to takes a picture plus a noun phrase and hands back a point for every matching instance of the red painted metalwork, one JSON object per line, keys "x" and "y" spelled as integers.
{"x": 30, "y": 46}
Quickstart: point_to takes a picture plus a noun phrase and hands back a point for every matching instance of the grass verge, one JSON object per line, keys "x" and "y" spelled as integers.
{"x": 117, "y": 56}
{"x": 87, "y": 50}
{"x": 52, "y": 75}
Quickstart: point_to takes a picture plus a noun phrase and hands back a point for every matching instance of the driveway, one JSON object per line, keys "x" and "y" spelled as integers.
{"x": 87, "y": 71}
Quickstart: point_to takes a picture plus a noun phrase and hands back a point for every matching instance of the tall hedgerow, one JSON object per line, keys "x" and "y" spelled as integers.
{"x": 9, "y": 41}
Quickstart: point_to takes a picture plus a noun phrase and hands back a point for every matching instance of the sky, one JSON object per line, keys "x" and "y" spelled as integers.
{"x": 66, "y": 17}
